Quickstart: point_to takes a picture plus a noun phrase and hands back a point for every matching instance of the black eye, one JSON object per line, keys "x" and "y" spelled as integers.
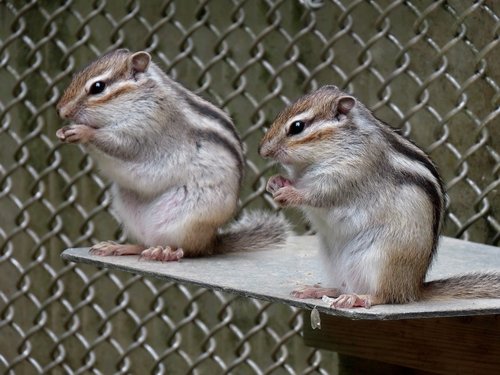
{"x": 97, "y": 88}
{"x": 296, "y": 127}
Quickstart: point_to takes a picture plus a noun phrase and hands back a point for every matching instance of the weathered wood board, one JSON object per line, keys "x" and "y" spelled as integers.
{"x": 273, "y": 274}
{"x": 452, "y": 345}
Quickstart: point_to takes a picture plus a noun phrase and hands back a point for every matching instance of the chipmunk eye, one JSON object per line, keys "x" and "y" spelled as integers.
{"x": 296, "y": 127}
{"x": 97, "y": 88}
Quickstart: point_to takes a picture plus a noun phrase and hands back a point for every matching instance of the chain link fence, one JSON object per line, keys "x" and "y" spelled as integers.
{"x": 429, "y": 68}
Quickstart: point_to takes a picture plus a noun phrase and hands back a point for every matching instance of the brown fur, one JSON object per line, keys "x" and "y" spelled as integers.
{"x": 319, "y": 101}
{"x": 317, "y": 136}
{"x": 199, "y": 238}
{"x": 115, "y": 61}
{"x": 401, "y": 280}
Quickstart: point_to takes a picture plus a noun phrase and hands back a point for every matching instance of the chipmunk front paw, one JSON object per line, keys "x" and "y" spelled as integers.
{"x": 288, "y": 196}
{"x": 276, "y": 182}
{"x": 75, "y": 133}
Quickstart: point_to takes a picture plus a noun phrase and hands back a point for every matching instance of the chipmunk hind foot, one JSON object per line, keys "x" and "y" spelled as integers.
{"x": 347, "y": 301}
{"x": 162, "y": 254}
{"x": 315, "y": 291}
{"x": 108, "y": 248}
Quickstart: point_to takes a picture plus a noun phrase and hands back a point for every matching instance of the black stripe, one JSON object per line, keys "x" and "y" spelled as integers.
{"x": 207, "y": 111}
{"x": 411, "y": 153}
{"x": 433, "y": 189}
{"x": 397, "y": 142}
{"x": 211, "y": 136}
{"x": 430, "y": 189}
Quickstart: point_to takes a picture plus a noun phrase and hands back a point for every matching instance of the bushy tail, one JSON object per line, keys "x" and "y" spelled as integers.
{"x": 474, "y": 285}
{"x": 256, "y": 230}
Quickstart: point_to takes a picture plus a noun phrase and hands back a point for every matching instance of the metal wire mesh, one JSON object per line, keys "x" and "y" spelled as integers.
{"x": 427, "y": 67}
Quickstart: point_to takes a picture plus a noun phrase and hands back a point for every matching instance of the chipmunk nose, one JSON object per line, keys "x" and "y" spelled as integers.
{"x": 264, "y": 150}
{"x": 61, "y": 112}
{"x": 259, "y": 150}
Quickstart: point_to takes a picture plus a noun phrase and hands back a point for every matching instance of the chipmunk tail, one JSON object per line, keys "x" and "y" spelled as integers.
{"x": 254, "y": 230}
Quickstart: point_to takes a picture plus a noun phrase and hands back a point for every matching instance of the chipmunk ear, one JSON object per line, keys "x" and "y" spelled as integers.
{"x": 345, "y": 104}
{"x": 140, "y": 61}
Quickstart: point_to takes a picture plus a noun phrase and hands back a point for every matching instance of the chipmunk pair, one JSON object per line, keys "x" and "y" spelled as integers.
{"x": 176, "y": 162}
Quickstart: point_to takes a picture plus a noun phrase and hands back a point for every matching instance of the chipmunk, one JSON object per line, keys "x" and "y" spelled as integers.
{"x": 375, "y": 199}
{"x": 176, "y": 161}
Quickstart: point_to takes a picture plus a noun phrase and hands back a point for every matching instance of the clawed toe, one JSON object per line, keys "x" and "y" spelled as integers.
{"x": 162, "y": 254}
{"x": 348, "y": 301}
{"x": 104, "y": 248}
{"x": 314, "y": 291}
{"x": 108, "y": 248}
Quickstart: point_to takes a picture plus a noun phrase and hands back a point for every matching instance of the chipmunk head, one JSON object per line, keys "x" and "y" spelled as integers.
{"x": 315, "y": 124}
{"x": 98, "y": 94}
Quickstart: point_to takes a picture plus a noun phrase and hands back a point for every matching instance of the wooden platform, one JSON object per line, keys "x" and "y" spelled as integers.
{"x": 446, "y": 337}
{"x": 273, "y": 274}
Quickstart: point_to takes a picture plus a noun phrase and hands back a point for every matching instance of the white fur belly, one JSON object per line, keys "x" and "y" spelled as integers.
{"x": 131, "y": 175}
{"x": 349, "y": 252}
{"x": 152, "y": 222}
{"x": 353, "y": 270}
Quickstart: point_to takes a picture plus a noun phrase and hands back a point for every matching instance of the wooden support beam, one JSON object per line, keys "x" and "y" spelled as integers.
{"x": 455, "y": 345}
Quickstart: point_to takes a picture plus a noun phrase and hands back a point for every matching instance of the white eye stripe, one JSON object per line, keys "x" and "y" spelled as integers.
{"x": 303, "y": 116}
